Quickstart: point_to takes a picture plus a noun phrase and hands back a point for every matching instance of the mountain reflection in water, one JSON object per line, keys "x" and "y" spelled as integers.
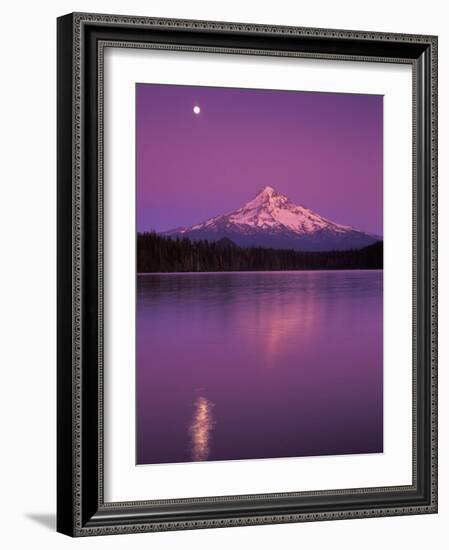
{"x": 246, "y": 365}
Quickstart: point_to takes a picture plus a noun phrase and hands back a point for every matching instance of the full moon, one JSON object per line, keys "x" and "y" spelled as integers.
{"x": 196, "y": 110}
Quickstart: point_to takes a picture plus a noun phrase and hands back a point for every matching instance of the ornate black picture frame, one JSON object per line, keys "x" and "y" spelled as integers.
{"x": 81, "y": 509}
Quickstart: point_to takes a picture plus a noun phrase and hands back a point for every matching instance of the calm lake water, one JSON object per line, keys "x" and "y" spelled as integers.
{"x": 258, "y": 365}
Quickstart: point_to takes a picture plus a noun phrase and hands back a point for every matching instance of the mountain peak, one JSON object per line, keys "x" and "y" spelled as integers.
{"x": 267, "y": 199}
{"x": 270, "y": 218}
{"x": 267, "y": 192}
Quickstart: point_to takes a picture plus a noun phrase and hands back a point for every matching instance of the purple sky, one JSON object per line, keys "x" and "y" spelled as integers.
{"x": 322, "y": 150}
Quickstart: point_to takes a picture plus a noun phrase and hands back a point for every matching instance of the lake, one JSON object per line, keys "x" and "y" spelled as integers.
{"x": 248, "y": 365}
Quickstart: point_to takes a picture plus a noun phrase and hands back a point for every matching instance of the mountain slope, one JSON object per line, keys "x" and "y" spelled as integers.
{"x": 272, "y": 220}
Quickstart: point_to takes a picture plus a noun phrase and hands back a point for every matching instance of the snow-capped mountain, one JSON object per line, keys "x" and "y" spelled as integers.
{"x": 272, "y": 220}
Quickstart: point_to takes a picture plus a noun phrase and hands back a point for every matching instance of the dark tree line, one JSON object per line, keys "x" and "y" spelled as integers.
{"x": 156, "y": 253}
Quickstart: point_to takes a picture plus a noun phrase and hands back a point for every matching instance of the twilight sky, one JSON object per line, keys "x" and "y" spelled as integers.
{"x": 322, "y": 150}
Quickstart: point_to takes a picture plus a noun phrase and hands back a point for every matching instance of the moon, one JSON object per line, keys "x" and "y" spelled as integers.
{"x": 197, "y": 110}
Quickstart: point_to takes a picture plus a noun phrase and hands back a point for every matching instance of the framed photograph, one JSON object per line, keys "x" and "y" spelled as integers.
{"x": 247, "y": 284}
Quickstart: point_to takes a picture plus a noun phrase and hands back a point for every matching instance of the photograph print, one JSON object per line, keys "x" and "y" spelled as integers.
{"x": 259, "y": 284}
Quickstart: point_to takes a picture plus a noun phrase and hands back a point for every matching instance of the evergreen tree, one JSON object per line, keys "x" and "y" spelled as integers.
{"x": 159, "y": 254}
